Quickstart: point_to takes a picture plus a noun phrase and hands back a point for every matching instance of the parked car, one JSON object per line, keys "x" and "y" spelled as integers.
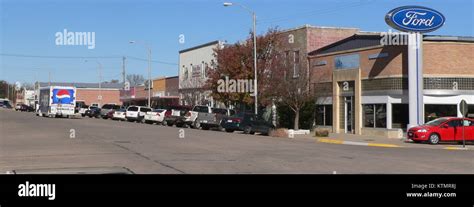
{"x": 5, "y": 104}
{"x": 120, "y": 114}
{"x": 17, "y": 106}
{"x": 213, "y": 120}
{"x": 136, "y": 113}
{"x": 83, "y": 109}
{"x": 79, "y": 105}
{"x": 197, "y": 115}
{"x": 175, "y": 115}
{"x": 447, "y": 129}
{"x": 93, "y": 112}
{"x": 248, "y": 123}
{"x": 106, "y": 108}
{"x": 155, "y": 116}
{"x": 26, "y": 108}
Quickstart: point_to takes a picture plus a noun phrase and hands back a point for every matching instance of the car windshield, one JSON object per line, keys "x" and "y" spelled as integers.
{"x": 436, "y": 122}
{"x": 116, "y": 107}
{"x": 202, "y": 109}
{"x": 132, "y": 108}
{"x": 219, "y": 111}
{"x": 85, "y": 106}
{"x": 158, "y": 110}
{"x": 107, "y": 106}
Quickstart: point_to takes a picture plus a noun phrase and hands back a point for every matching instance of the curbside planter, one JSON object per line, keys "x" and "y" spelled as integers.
{"x": 280, "y": 132}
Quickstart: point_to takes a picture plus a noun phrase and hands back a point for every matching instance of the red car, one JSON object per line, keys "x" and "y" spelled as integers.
{"x": 447, "y": 129}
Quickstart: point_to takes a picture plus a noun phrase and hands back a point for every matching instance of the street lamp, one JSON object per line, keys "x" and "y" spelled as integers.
{"x": 148, "y": 48}
{"x": 254, "y": 18}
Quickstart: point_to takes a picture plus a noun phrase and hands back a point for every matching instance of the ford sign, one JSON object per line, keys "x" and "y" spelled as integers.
{"x": 415, "y": 19}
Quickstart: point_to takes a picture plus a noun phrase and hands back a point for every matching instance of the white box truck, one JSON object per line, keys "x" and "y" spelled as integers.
{"x": 56, "y": 101}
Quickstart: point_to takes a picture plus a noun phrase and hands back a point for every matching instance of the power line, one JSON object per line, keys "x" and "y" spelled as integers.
{"x": 155, "y": 61}
{"x": 82, "y": 57}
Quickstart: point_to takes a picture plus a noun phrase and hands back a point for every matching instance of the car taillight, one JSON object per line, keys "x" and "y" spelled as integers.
{"x": 167, "y": 113}
{"x": 235, "y": 120}
{"x": 188, "y": 114}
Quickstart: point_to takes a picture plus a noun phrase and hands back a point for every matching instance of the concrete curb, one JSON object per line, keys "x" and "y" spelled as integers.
{"x": 333, "y": 141}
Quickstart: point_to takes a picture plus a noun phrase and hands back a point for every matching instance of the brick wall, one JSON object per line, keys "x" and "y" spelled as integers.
{"x": 439, "y": 59}
{"x": 448, "y": 58}
{"x": 90, "y": 96}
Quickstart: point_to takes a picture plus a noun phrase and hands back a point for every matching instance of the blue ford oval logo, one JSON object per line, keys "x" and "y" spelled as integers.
{"x": 415, "y": 19}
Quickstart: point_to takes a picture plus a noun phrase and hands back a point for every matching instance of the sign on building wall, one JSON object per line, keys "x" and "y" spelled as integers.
{"x": 196, "y": 73}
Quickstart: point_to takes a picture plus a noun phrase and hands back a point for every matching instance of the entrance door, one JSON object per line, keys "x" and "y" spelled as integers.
{"x": 348, "y": 114}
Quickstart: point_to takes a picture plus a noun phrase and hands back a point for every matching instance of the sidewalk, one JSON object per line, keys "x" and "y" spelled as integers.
{"x": 371, "y": 141}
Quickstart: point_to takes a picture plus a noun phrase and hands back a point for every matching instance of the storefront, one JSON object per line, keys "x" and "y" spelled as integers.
{"x": 361, "y": 86}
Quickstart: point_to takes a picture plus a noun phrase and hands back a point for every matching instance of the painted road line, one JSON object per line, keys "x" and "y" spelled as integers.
{"x": 455, "y": 148}
{"x": 382, "y": 145}
{"x": 333, "y": 141}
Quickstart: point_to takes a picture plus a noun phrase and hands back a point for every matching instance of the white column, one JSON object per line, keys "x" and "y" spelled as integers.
{"x": 389, "y": 115}
{"x": 415, "y": 79}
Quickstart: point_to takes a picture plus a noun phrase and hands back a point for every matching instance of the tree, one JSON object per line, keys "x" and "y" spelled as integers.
{"x": 135, "y": 79}
{"x": 279, "y": 79}
{"x": 236, "y": 62}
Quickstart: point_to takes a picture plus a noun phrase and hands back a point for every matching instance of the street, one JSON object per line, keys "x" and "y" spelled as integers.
{"x": 31, "y": 142}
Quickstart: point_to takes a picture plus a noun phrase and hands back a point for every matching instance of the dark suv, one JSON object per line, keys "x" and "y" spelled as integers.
{"x": 248, "y": 123}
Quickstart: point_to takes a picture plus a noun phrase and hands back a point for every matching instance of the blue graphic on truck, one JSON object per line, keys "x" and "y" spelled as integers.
{"x": 63, "y": 96}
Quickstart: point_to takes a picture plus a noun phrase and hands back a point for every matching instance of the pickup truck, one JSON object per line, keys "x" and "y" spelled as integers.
{"x": 206, "y": 117}
{"x": 175, "y": 115}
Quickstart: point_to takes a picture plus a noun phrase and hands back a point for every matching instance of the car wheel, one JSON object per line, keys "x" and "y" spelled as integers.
{"x": 205, "y": 128}
{"x": 248, "y": 130}
{"x": 434, "y": 138}
{"x": 197, "y": 125}
{"x": 164, "y": 123}
{"x": 229, "y": 130}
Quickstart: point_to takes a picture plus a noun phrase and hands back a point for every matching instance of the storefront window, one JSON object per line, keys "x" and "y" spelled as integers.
{"x": 400, "y": 116}
{"x": 375, "y": 115}
{"x": 324, "y": 115}
{"x": 434, "y": 111}
{"x": 470, "y": 111}
{"x": 347, "y": 61}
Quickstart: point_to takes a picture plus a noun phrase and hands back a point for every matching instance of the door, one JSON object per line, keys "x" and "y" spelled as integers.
{"x": 449, "y": 132}
{"x": 348, "y": 115}
{"x": 468, "y": 130}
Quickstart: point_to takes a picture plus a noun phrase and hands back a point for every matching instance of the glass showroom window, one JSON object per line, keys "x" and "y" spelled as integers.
{"x": 347, "y": 61}
{"x": 324, "y": 115}
{"x": 400, "y": 116}
{"x": 470, "y": 110}
{"x": 375, "y": 115}
{"x": 434, "y": 111}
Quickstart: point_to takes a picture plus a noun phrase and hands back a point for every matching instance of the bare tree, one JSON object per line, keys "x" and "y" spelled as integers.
{"x": 135, "y": 79}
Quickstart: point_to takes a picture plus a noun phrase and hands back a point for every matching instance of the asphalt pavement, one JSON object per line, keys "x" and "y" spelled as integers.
{"x": 31, "y": 142}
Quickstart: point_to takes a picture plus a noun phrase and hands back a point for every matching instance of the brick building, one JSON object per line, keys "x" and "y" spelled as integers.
{"x": 362, "y": 85}
{"x": 164, "y": 93}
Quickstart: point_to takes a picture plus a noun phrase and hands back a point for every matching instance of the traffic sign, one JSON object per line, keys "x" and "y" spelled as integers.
{"x": 463, "y": 108}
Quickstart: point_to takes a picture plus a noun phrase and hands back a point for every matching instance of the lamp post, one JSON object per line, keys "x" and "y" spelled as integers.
{"x": 148, "y": 48}
{"x": 254, "y": 19}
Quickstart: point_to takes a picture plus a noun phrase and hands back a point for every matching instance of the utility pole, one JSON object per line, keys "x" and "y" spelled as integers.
{"x": 123, "y": 69}
{"x": 49, "y": 77}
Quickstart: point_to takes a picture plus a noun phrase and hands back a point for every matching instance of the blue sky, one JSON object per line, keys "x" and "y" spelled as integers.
{"x": 28, "y": 27}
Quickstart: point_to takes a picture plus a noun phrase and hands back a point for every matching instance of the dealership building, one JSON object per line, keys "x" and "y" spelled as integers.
{"x": 361, "y": 85}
